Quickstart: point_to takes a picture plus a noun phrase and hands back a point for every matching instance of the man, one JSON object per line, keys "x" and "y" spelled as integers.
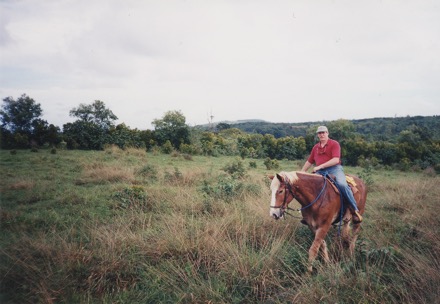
{"x": 326, "y": 155}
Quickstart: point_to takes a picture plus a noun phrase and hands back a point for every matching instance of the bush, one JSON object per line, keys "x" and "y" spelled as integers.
{"x": 189, "y": 149}
{"x": 225, "y": 189}
{"x": 148, "y": 172}
{"x": 367, "y": 176}
{"x": 167, "y": 147}
{"x": 404, "y": 164}
{"x": 62, "y": 145}
{"x": 130, "y": 197}
{"x": 236, "y": 169}
{"x": 271, "y": 163}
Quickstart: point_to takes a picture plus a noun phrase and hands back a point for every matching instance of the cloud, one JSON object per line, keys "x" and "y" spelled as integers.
{"x": 289, "y": 62}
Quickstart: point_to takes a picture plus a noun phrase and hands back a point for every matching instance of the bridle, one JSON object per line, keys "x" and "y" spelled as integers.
{"x": 284, "y": 206}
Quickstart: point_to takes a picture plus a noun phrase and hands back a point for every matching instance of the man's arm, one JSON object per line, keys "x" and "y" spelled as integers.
{"x": 306, "y": 166}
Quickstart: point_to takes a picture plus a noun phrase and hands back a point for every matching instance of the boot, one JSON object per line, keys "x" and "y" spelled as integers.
{"x": 357, "y": 217}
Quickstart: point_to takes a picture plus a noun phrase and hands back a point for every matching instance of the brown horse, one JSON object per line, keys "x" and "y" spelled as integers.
{"x": 321, "y": 206}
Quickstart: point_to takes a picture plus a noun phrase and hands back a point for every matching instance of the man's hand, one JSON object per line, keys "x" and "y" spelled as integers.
{"x": 317, "y": 168}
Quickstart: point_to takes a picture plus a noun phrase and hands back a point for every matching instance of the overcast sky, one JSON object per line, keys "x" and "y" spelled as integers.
{"x": 280, "y": 61}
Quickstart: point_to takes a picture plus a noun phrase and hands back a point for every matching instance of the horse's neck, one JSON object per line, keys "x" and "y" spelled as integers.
{"x": 308, "y": 186}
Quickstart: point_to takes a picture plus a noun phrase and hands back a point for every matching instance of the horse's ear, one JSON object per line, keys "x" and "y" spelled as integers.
{"x": 280, "y": 178}
{"x": 271, "y": 176}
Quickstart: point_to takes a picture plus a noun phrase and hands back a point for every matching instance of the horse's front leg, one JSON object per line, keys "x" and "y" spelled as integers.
{"x": 324, "y": 252}
{"x": 317, "y": 243}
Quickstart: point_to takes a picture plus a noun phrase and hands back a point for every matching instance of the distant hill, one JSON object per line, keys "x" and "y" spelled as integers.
{"x": 233, "y": 122}
{"x": 384, "y": 128}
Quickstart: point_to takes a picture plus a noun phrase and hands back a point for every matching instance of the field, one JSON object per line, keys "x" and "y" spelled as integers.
{"x": 126, "y": 226}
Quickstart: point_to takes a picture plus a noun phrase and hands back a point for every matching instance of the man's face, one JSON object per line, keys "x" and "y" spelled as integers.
{"x": 323, "y": 135}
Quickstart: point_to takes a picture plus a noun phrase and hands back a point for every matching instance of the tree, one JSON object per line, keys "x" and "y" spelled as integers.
{"x": 44, "y": 133}
{"x": 95, "y": 113}
{"x": 85, "y": 135}
{"x": 172, "y": 127}
{"x": 124, "y": 137}
{"x": 269, "y": 144}
{"x": 91, "y": 130}
{"x": 341, "y": 130}
{"x": 222, "y": 126}
{"x": 21, "y": 125}
{"x": 18, "y": 115}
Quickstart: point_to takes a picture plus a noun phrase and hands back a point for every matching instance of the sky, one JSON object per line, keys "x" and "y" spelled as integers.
{"x": 223, "y": 60}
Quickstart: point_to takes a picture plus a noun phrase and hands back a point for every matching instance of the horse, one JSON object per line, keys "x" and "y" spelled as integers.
{"x": 321, "y": 207}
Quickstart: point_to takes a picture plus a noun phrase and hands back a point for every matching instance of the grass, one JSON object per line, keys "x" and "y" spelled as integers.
{"x": 126, "y": 226}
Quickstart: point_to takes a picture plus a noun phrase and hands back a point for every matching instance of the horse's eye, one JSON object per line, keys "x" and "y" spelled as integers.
{"x": 281, "y": 191}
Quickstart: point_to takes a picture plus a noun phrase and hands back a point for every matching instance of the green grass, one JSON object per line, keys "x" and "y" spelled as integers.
{"x": 133, "y": 227}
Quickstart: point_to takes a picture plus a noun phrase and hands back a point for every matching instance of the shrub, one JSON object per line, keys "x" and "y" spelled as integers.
{"x": 253, "y": 164}
{"x": 189, "y": 149}
{"x": 167, "y": 147}
{"x": 226, "y": 188}
{"x": 148, "y": 172}
{"x": 367, "y": 175}
{"x": 62, "y": 145}
{"x": 155, "y": 150}
{"x": 271, "y": 163}
{"x": 130, "y": 197}
{"x": 404, "y": 164}
{"x": 236, "y": 169}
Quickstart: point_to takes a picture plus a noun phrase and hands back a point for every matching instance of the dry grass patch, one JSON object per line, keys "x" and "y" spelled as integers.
{"x": 136, "y": 152}
{"x": 22, "y": 184}
{"x": 113, "y": 149}
{"x": 46, "y": 270}
{"x": 100, "y": 174}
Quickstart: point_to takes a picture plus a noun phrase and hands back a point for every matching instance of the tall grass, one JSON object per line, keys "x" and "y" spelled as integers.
{"x": 124, "y": 226}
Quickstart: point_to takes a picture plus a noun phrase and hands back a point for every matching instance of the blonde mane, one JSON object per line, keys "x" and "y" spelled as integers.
{"x": 291, "y": 176}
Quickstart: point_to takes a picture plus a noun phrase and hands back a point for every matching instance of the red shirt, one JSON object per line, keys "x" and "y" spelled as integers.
{"x": 321, "y": 155}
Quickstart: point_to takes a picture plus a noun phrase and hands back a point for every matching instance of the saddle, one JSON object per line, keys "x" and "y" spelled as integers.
{"x": 350, "y": 182}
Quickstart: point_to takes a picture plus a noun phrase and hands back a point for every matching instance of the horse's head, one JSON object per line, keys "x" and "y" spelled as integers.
{"x": 282, "y": 194}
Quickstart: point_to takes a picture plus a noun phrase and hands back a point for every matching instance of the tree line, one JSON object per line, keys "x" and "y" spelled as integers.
{"x": 416, "y": 146}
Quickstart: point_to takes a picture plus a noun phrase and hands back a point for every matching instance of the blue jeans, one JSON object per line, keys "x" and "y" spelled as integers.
{"x": 339, "y": 174}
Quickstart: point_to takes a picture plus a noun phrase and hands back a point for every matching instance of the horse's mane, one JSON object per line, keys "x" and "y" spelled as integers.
{"x": 292, "y": 176}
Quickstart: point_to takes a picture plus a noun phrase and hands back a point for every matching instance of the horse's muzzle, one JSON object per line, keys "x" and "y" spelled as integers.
{"x": 278, "y": 216}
